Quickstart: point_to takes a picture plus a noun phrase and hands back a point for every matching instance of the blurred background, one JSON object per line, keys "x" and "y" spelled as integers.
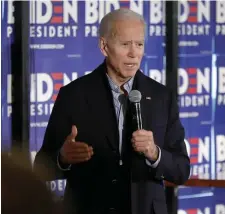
{"x": 47, "y": 44}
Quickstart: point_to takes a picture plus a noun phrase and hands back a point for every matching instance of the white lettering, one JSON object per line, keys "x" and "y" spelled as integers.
{"x": 183, "y": 79}
{"x": 11, "y": 10}
{"x": 221, "y": 79}
{"x": 220, "y": 12}
{"x": 220, "y": 148}
{"x": 41, "y": 17}
{"x": 157, "y": 11}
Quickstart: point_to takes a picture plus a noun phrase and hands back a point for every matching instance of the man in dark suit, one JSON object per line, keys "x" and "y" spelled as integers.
{"x": 110, "y": 166}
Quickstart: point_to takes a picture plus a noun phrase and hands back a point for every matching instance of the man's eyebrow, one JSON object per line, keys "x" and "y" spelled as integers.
{"x": 142, "y": 41}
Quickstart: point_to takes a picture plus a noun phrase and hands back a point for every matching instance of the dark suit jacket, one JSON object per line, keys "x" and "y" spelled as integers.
{"x": 100, "y": 185}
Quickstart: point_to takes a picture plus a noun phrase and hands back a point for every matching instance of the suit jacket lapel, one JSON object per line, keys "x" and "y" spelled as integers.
{"x": 101, "y": 102}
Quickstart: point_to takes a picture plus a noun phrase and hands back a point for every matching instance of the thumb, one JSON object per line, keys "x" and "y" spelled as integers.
{"x": 74, "y": 132}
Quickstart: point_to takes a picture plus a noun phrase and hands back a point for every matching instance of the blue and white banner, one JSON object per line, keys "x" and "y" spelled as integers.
{"x": 198, "y": 200}
{"x": 195, "y": 27}
{"x": 219, "y": 31}
{"x": 154, "y": 67}
{"x": 195, "y": 88}
{"x": 219, "y": 161}
{"x": 200, "y": 150}
{"x": 219, "y": 101}
{"x": 219, "y": 118}
{"x": 6, "y": 83}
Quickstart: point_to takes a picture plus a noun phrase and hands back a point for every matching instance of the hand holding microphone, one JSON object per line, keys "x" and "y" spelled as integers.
{"x": 142, "y": 140}
{"x": 73, "y": 152}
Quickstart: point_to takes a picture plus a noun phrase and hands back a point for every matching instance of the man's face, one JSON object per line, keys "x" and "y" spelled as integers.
{"x": 124, "y": 50}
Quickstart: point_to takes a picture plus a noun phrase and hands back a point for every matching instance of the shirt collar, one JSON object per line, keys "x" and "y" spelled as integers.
{"x": 127, "y": 85}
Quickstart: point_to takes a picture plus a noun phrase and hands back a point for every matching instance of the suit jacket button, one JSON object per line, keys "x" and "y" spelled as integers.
{"x": 114, "y": 181}
{"x": 112, "y": 210}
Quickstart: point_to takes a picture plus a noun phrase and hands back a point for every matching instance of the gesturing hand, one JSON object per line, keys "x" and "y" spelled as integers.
{"x": 73, "y": 151}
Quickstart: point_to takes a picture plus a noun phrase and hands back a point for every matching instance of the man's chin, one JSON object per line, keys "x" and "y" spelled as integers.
{"x": 128, "y": 75}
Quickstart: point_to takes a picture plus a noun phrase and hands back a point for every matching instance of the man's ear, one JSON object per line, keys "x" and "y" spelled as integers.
{"x": 103, "y": 46}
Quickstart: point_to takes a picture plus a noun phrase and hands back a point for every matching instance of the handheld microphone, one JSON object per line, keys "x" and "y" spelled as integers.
{"x": 135, "y": 98}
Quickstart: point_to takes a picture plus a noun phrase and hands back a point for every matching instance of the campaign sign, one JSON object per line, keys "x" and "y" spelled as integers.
{"x": 199, "y": 144}
{"x": 219, "y": 27}
{"x": 195, "y": 27}
{"x": 219, "y": 90}
{"x": 6, "y": 86}
{"x": 194, "y": 89}
{"x": 198, "y": 200}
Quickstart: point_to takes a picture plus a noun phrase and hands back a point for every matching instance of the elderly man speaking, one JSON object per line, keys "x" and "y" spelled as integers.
{"x": 115, "y": 133}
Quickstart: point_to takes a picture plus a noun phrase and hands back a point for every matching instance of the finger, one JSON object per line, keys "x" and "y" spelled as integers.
{"x": 139, "y": 145}
{"x": 83, "y": 147}
{"x": 142, "y": 132}
{"x": 140, "y": 138}
{"x": 80, "y": 156}
{"x": 142, "y": 143}
{"x": 80, "y": 150}
{"x": 80, "y": 160}
{"x": 73, "y": 133}
{"x": 144, "y": 148}
{"x": 77, "y": 144}
{"x": 141, "y": 149}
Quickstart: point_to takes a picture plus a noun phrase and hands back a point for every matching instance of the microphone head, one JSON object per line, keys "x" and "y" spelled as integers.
{"x": 135, "y": 96}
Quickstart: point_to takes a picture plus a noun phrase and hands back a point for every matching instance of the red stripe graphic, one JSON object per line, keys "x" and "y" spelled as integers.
{"x": 193, "y": 9}
{"x": 56, "y": 20}
{"x": 194, "y": 160}
{"x": 194, "y": 151}
{"x": 58, "y": 9}
{"x": 54, "y": 97}
{"x": 191, "y": 90}
{"x": 192, "y": 211}
{"x": 192, "y": 19}
{"x": 192, "y": 70}
{"x": 193, "y": 140}
{"x": 57, "y": 86}
{"x": 57, "y": 76}
{"x": 193, "y": 81}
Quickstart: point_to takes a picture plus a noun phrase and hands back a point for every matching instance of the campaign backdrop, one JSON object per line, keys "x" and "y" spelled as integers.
{"x": 198, "y": 200}
{"x": 6, "y": 79}
{"x": 219, "y": 27}
{"x": 64, "y": 46}
{"x": 194, "y": 89}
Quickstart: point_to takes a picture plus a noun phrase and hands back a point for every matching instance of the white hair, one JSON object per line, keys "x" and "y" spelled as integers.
{"x": 107, "y": 23}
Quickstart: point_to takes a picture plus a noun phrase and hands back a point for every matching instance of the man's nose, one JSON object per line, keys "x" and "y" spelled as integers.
{"x": 132, "y": 51}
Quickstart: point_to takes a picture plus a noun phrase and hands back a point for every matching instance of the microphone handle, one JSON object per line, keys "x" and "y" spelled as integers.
{"x": 138, "y": 115}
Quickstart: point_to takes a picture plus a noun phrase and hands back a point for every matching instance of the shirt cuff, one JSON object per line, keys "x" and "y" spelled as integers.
{"x": 156, "y": 163}
{"x": 63, "y": 167}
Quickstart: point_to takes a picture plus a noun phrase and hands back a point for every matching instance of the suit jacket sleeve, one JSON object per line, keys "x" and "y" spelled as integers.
{"x": 174, "y": 165}
{"x": 58, "y": 128}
